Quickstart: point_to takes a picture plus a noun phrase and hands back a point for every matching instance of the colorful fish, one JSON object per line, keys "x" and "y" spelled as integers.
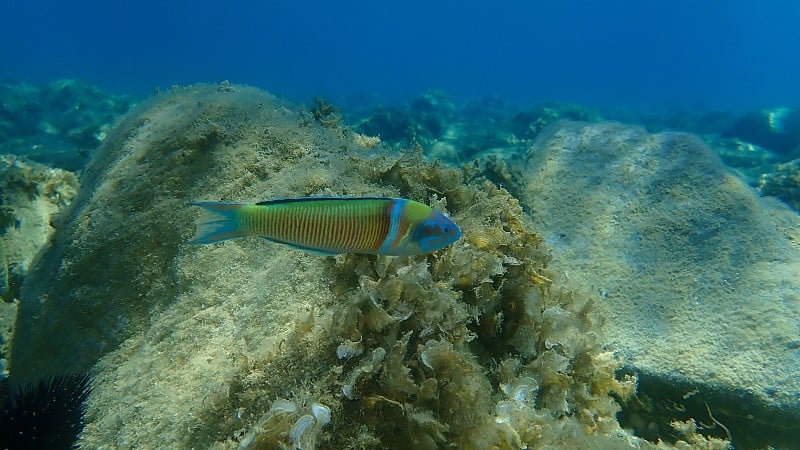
{"x": 332, "y": 225}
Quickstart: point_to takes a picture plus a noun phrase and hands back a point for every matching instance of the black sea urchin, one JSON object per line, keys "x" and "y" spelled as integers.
{"x": 45, "y": 415}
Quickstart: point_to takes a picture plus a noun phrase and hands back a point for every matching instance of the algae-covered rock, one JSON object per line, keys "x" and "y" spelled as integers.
{"x": 445, "y": 131}
{"x": 59, "y": 124}
{"x": 776, "y": 129}
{"x": 783, "y": 182}
{"x": 251, "y": 344}
{"x": 697, "y": 275}
{"x": 528, "y": 124}
{"x": 31, "y": 194}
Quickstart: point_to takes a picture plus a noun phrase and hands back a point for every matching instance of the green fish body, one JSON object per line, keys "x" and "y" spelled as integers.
{"x": 332, "y": 225}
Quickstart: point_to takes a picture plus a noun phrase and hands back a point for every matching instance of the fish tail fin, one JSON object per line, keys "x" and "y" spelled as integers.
{"x": 219, "y": 221}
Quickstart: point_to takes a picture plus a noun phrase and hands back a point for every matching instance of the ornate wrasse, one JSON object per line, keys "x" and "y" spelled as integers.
{"x": 332, "y": 225}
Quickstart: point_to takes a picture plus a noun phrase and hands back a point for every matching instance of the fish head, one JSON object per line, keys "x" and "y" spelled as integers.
{"x": 434, "y": 232}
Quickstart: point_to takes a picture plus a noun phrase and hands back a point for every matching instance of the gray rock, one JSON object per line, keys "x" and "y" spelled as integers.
{"x": 698, "y": 277}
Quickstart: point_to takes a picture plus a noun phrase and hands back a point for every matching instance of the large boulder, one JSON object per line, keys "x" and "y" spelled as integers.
{"x": 698, "y": 276}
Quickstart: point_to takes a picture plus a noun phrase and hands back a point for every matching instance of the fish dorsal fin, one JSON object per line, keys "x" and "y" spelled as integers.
{"x": 305, "y": 199}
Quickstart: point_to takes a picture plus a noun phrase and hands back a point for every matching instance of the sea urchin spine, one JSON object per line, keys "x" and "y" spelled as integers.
{"x": 47, "y": 414}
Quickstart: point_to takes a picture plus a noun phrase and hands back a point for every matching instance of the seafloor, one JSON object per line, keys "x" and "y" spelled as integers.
{"x": 619, "y": 284}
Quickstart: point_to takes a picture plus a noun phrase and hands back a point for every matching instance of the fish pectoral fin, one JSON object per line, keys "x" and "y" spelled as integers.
{"x": 313, "y": 251}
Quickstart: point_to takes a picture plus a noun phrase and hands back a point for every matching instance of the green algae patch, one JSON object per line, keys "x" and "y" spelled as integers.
{"x": 250, "y": 344}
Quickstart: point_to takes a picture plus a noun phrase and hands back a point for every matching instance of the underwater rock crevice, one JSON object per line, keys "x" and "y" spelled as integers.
{"x": 721, "y": 413}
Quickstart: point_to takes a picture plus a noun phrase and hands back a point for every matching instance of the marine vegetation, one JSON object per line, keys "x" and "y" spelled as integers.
{"x": 30, "y": 194}
{"x": 325, "y": 113}
{"x": 60, "y": 123}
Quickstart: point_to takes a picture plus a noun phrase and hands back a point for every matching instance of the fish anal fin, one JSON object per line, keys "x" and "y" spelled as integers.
{"x": 313, "y": 251}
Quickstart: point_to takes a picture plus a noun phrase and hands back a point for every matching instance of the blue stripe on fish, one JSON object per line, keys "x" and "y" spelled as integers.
{"x": 394, "y": 225}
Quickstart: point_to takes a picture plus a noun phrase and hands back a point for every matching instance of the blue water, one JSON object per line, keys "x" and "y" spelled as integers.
{"x": 712, "y": 55}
